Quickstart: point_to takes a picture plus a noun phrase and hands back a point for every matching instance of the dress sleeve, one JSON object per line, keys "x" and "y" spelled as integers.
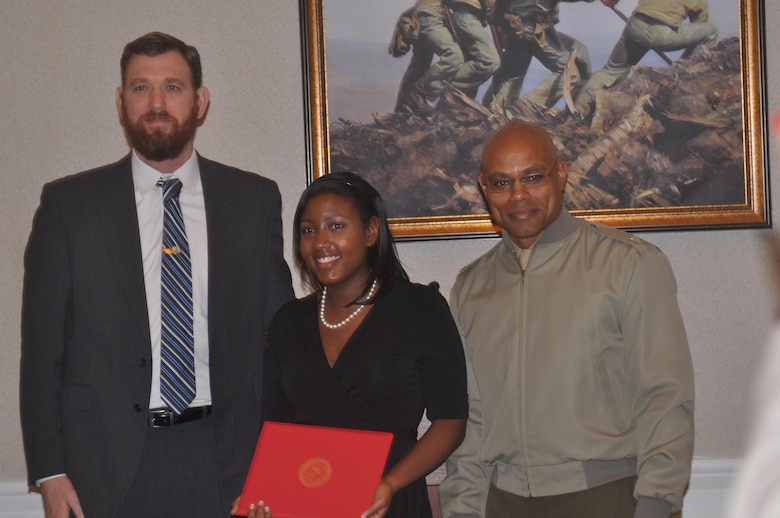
{"x": 442, "y": 363}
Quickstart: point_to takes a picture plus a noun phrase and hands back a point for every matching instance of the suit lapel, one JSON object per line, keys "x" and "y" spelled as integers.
{"x": 123, "y": 242}
{"x": 219, "y": 214}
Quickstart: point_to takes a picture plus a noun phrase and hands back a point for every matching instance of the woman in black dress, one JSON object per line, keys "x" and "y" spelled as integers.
{"x": 367, "y": 349}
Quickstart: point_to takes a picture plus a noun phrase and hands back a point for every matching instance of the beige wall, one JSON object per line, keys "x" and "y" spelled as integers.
{"x": 57, "y": 116}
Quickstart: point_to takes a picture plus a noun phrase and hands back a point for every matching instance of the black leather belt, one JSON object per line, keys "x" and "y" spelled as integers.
{"x": 160, "y": 417}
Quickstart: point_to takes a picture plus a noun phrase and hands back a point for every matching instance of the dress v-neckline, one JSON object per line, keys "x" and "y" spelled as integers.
{"x": 358, "y": 330}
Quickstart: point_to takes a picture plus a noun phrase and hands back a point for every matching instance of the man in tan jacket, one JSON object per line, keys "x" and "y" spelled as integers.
{"x": 580, "y": 381}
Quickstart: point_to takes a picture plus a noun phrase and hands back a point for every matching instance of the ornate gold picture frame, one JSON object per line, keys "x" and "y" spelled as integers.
{"x": 700, "y": 124}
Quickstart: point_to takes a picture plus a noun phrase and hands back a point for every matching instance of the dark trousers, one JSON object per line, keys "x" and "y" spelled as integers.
{"x": 177, "y": 475}
{"x": 611, "y": 500}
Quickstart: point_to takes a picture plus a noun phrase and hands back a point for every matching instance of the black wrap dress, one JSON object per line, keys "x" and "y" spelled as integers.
{"x": 405, "y": 358}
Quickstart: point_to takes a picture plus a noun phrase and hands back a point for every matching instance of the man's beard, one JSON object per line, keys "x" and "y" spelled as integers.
{"x": 157, "y": 145}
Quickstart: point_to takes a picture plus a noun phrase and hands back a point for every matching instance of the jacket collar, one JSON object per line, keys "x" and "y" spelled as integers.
{"x": 564, "y": 226}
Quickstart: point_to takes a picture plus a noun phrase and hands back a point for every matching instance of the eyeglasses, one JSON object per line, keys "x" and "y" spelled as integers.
{"x": 501, "y": 183}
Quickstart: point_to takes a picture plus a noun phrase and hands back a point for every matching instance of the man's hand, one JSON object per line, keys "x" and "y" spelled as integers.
{"x": 59, "y": 498}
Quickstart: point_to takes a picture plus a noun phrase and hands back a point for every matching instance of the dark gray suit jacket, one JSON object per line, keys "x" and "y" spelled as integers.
{"x": 86, "y": 352}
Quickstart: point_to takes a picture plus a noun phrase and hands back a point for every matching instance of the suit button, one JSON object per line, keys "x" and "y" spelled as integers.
{"x": 142, "y": 363}
{"x": 137, "y": 408}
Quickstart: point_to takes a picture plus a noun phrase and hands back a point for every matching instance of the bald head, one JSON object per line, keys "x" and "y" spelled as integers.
{"x": 518, "y": 134}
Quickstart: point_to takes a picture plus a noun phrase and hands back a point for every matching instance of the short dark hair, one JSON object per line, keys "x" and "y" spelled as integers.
{"x": 383, "y": 262}
{"x": 156, "y": 43}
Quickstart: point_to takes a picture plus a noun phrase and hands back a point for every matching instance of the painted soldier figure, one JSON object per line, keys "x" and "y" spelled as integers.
{"x": 526, "y": 30}
{"x": 455, "y": 32}
{"x": 654, "y": 25}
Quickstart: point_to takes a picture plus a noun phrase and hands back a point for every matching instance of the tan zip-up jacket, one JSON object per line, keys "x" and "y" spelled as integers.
{"x": 579, "y": 371}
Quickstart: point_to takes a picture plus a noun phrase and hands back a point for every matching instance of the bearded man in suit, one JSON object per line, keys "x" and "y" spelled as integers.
{"x": 100, "y": 434}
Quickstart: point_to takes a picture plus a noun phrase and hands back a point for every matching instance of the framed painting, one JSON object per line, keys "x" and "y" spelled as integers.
{"x": 677, "y": 143}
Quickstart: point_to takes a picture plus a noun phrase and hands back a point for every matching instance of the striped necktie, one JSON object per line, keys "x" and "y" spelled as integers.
{"x": 177, "y": 350}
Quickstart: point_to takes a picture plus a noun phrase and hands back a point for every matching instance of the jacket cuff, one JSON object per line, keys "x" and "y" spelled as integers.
{"x": 652, "y": 508}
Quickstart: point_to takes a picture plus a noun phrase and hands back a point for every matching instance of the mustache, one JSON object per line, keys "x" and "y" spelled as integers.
{"x": 157, "y": 115}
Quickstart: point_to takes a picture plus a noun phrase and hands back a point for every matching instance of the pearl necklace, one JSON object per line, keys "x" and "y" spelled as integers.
{"x": 351, "y": 315}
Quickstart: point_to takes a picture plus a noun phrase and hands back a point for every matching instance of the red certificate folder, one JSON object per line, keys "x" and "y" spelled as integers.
{"x": 303, "y": 471}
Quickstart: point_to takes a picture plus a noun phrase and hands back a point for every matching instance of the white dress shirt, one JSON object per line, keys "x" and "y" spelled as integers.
{"x": 149, "y": 206}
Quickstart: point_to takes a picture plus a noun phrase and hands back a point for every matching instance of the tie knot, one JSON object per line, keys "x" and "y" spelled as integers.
{"x": 170, "y": 188}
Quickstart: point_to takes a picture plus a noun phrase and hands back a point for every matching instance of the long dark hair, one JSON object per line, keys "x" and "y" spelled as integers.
{"x": 383, "y": 262}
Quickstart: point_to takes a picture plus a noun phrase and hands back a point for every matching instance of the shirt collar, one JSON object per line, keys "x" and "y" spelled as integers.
{"x": 523, "y": 254}
{"x": 145, "y": 177}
